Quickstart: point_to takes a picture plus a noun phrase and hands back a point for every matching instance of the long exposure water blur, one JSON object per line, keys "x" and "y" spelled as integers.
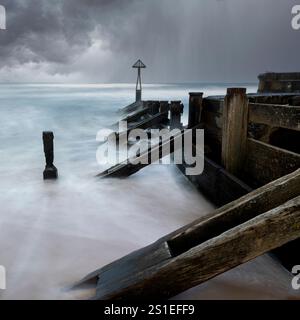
{"x": 53, "y": 233}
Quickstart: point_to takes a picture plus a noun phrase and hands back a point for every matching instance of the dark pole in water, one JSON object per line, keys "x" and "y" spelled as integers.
{"x": 195, "y": 109}
{"x": 164, "y": 109}
{"x": 50, "y": 171}
{"x": 176, "y": 112}
{"x": 139, "y": 65}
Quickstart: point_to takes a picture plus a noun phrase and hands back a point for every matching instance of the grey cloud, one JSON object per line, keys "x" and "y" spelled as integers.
{"x": 179, "y": 40}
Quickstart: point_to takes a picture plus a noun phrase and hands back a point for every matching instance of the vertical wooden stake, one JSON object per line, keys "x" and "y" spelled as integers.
{"x": 50, "y": 171}
{"x": 164, "y": 108}
{"x": 155, "y": 107}
{"x": 148, "y": 105}
{"x": 235, "y": 128}
{"x": 195, "y": 109}
{"x": 176, "y": 112}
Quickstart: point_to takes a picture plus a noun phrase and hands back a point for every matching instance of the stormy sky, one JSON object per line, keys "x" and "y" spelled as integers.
{"x": 179, "y": 40}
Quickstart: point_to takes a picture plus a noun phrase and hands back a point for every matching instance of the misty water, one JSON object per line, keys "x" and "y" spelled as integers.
{"x": 54, "y": 233}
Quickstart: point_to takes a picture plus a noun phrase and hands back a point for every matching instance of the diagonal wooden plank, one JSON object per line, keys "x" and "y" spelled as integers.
{"x": 149, "y": 272}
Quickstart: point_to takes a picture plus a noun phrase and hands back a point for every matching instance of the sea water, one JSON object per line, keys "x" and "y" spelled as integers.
{"x": 54, "y": 233}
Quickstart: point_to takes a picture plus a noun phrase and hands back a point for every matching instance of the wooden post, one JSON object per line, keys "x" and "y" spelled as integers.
{"x": 138, "y": 95}
{"x": 195, "y": 109}
{"x": 147, "y": 105}
{"x": 164, "y": 106}
{"x": 235, "y": 127}
{"x": 50, "y": 171}
{"x": 176, "y": 112}
{"x": 164, "y": 109}
{"x": 154, "y": 108}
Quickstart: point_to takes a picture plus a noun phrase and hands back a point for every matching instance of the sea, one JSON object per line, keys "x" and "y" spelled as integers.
{"x": 53, "y": 233}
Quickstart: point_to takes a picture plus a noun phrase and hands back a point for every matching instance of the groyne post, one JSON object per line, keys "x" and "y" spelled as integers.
{"x": 50, "y": 171}
{"x": 164, "y": 108}
{"x": 176, "y": 112}
{"x": 154, "y": 107}
{"x": 235, "y": 128}
{"x": 195, "y": 109}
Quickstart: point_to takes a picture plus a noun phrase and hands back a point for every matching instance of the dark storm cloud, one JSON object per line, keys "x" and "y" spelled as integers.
{"x": 53, "y": 30}
{"x": 180, "y": 40}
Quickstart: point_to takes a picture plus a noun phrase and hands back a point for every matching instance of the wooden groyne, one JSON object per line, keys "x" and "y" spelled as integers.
{"x": 279, "y": 82}
{"x": 251, "y": 169}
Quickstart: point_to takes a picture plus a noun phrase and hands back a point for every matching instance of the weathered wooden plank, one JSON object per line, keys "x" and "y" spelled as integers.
{"x": 213, "y": 120}
{"x": 133, "y": 263}
{"x": 235, "y": 127}
{"x": 214, "y": 105}
{"x": 265, "y": 163}
{"x": 217, "y": 184}
{"x": 275, "y": 115}
{"x": 245, "y": 208}
{"x": 129, "y": 276}
{"x": 210, "y": 258}
{"x": 135, "y": 106}
{"x": 136, "y": 116}
{"x": 279, "y": 82}
{"x": 149, "y": 121}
